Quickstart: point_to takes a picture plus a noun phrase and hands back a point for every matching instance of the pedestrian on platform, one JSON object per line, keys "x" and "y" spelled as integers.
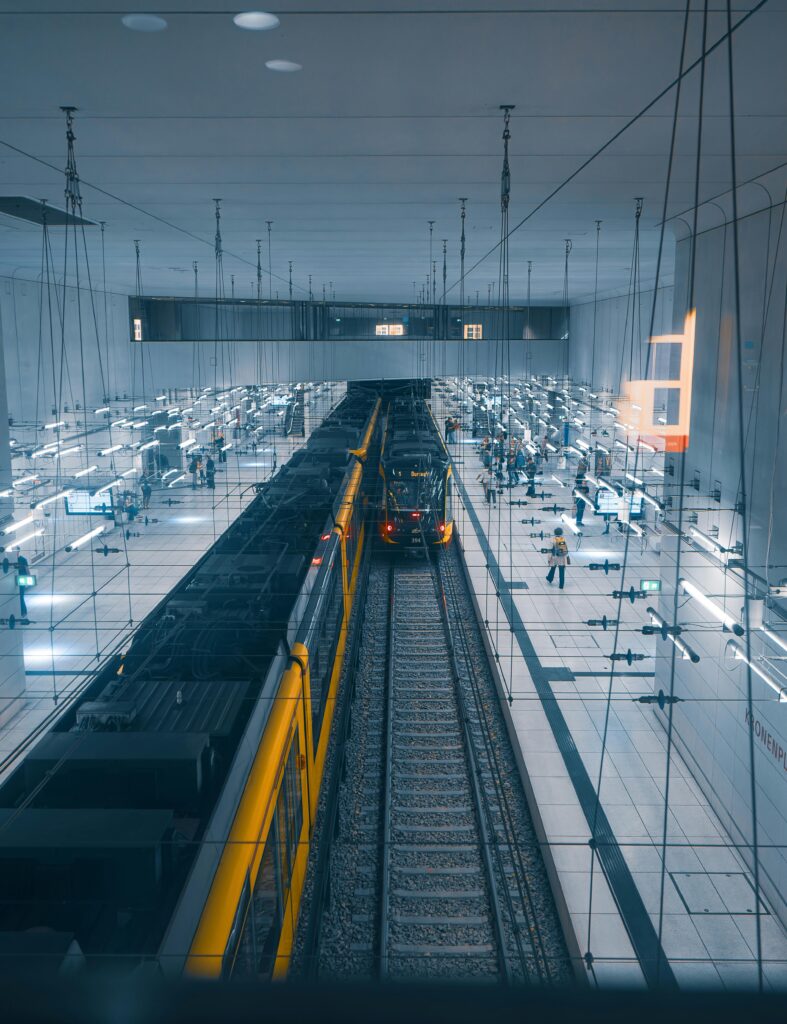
{"x": 520, "y": 461}
{"x": 530, "y": 473}
{"x": 147, "y": 490}
{"x": 210, "y": 473}
{"x": 193, "y": 469}
{"x": 513, "y": 476}
{"x": 584, "y": 490}
{"x": 488, "y": 480}
{"x": 558, "y": 557}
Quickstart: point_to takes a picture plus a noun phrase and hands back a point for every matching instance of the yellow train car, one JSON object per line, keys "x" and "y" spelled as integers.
{"x": 247, "y": 924}
{"x": 417, "y": 476}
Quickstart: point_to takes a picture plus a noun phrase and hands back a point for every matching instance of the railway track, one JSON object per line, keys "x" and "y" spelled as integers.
{"x": 434, "y": 867}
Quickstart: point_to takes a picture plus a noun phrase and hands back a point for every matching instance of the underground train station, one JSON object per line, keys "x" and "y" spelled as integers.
{"x": 393, "y": 607}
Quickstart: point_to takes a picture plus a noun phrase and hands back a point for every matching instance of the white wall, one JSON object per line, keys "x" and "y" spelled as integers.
{"x": 31, "y": 349}
{"x": 115, "y": 366}
{"x": 711, "y": 727}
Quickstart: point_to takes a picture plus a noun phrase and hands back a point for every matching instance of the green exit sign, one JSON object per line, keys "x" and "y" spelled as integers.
{"x": 650, "y": 585}
{"x": 25, "y": 580}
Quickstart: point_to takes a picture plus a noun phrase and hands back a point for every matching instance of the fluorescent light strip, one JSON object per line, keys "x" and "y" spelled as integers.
{"x": 558, "y": 481}
{"x": 710, "y": 606}
{"x": 187, "y": 444}
{"x": 52, "y": 498}
{"x": 129, "y": 472}
{"x": 68, "y": 451}
{"x": 168, "y": 473}
{"x": 649, "y": 498}
{"x": 139, "y": 408}
{"x": 774, "y": 638}
{"x": 177, "y": 480}
{"x": 104, "y": 408}
{"x": 23, "y": 540}
{"x": 84, "y": 538}
{"x": 570, "y": 523}
{"x": 708, "y": 543}
{"x": 689, "y": 654}
{"x": 149, "y": 444}
{"x": 54, "y": 426}
{"x": 108, "y": 451}
{"x": 635, "y": 480}
{"x": 17, "y": 526}
{"x": 582, "y": 497}
{"x": 740, "y": 655}
{"x": 108, "y": 487}
{"x": 84, "y": 472}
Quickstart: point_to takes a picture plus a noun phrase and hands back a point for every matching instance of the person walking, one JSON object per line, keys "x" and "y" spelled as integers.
{"x": 584, "y": 490}
{"x": 520, "y": 461}
{"x": 23, "y": 571}
{"x": 147, "y": 490}
{"x": 193, "y": 469}
{"x": 492, "y": 485}
{"x": 488, "y": 481}
{"x": 558, "y": 558}
{"x": 210, "y": 473}
{"x": 530, "y": 473}
{"x": 513, "y": 476}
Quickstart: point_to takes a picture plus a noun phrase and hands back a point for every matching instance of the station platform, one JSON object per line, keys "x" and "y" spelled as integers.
{"x": 86, "y": 605}
{"x": 641, "y": 904}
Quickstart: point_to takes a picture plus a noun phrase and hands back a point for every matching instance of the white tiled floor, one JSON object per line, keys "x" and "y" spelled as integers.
{"x": 74, "y": 632}
{"x": 707, "y": 925}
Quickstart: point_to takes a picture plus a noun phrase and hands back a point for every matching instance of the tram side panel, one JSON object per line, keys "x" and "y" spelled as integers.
{"x": 250, "y": 916}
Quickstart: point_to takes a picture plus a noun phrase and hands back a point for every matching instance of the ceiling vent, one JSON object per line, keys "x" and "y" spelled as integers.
{"x": 25, "y": 208}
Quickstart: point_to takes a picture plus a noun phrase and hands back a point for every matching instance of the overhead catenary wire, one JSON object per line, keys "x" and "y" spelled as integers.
{"x": 621, "y": 131}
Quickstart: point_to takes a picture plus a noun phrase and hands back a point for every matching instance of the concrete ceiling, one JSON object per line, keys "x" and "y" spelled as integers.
{"x": 394, "y": 115}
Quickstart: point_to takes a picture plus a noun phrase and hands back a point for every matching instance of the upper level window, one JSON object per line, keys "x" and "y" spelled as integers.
{"x": 474, "y": 332}
{"x": 388, "y": 330}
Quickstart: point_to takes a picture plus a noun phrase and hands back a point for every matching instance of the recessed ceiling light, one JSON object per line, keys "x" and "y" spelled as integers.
{"x": 283, "y": 65}
{"x": 144, "y": 22}
{"x": 256, "y": 21}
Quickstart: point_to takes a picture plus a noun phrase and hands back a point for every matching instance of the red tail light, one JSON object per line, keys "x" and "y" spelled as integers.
{"x": 416, "y": 515}
{"x": 441, "y": 527}
{"x": 389, "y": 527}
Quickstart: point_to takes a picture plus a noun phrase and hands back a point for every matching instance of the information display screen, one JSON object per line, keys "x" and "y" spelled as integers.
{"x": 85, "y": 503}
{"x": 609, "y": 504}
